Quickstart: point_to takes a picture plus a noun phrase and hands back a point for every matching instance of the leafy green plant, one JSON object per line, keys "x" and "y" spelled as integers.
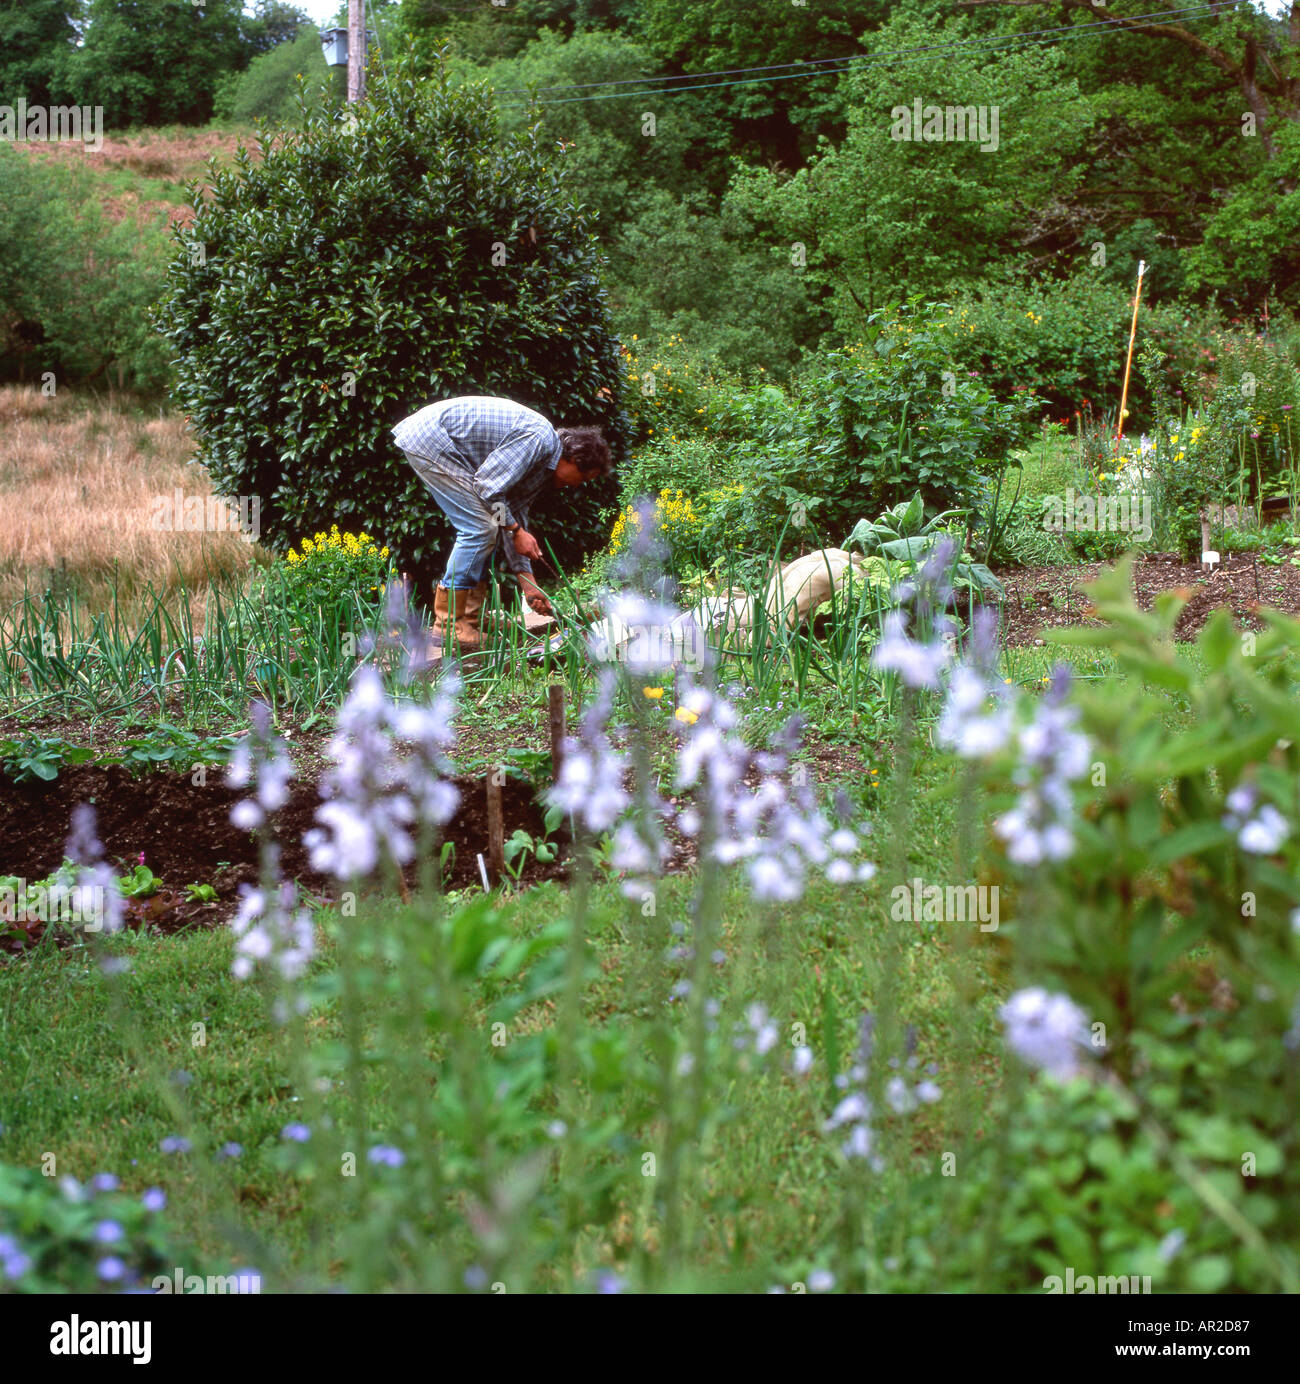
{"x": 336, "y": 577}
{"x": 60, "y": 1235}
{"x": 140, "y": 883}
{"x": 1179, "y": 886}
{"x": 39, "y": 757}
{"x": 903, "y": 534}
{"x": 895, "y": 417}
{"x": 201, "y": 893}
{"x": 520, "y": 846}
{"x": 167, "y": 745}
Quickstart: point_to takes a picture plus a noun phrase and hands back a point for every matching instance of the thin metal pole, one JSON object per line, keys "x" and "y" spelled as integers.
{"x": 1123, "y": 398}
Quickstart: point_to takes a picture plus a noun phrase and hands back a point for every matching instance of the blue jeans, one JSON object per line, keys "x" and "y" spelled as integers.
{"x": 477, "y": 534}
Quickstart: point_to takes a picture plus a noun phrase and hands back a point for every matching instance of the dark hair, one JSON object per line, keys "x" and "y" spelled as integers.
{"x": 587, "y": 449}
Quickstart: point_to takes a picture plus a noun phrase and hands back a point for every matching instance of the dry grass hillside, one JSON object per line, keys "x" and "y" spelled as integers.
{"x": 79, "y": 479}
{"x": 147, "y": 170}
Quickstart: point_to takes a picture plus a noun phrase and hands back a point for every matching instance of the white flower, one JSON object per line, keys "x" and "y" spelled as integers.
{"x": 918, "y": 665}
{"x": 247, "y": 815}
{"x": 899, "y": 1096}
{"x": 802, "y": 1060}
{"x": 1241, "y": 799}
{"x": 852, "y": 1107}
{"x": 1264, "y": 834}
{"x": 821, "y": 1281}
{"x": 1046, "y": 1030}
{"x": 859, "y": 1142}
{"x": 769, "y": 879}
{"x": 839, "y": 872}
{"x": 964, "y": 725}
{"x": 351, "y": 851}
{"x": 1171, "y": 1244}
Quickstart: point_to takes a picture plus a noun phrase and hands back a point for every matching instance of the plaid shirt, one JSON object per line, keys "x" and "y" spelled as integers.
{"x": 509, "y": 450}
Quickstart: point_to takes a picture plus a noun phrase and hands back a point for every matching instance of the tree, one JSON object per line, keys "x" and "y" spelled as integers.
{"x": 774, "y": 109}
{"x": 155, "y": 62}
{"x": 268, "y": 89}
{"x": 1251, "y": 247}
{"x": 36, "y": 37}
{"x": 611, "y": 155}
{"x": 1256, "y": 53}
{"x": 363, "y": 268}
{"x": 274, "y": 22}
{"x": 882, "y": 216}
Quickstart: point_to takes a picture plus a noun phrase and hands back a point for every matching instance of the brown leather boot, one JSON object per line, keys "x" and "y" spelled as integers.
{"x": 468, "y": 613}
{"x": 457, "y": 612}
{"x": 441, "y": 615}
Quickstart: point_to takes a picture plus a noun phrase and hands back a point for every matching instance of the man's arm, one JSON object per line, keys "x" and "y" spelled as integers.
{"x": 522, "y": 569}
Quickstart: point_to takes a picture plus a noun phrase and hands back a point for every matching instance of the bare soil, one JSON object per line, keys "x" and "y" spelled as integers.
{"x": 1040, "y": 598}
{"x": 185, "y": 836}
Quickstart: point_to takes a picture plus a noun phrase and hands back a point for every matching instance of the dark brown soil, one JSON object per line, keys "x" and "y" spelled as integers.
{"x": 186, "y": 837}
{"x": 1041, "y": 598}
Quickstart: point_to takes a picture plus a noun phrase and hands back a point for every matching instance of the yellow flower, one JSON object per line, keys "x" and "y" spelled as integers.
{"x": 654, "y": 693}
{"x": 687, "y": 718}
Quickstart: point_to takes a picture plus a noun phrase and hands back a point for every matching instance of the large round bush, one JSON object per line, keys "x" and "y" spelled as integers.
{"x": 369, "y": 264}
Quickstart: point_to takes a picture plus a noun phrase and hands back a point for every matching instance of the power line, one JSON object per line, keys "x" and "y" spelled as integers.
{"x": 1191, "y": 11}
{"x": 989, "y": 43}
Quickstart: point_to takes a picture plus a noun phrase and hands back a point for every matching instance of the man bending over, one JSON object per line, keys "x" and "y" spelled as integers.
{"x": 485, "y": 461}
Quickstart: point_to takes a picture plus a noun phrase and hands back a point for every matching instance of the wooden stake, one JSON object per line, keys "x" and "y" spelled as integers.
{"x": 555, "y": 716}
{"x": 496, "y": 851}
{"x": 1123, "y": 398}
{"x": 356, "y": 50}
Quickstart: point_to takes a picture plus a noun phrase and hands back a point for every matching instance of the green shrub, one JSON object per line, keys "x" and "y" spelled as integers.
{"x": 360, "y": 270}
{"x": 1251, "y": 415}
{"x": 671, "y": 390}
{"x": 1066, "y": 340}
{"x": 890, "y": 415}
{"x": 1169, "y": 910}
{"x": 75, "y": 287}
{"x": 1024, "y": 541}
{"x": 694, "y": 464}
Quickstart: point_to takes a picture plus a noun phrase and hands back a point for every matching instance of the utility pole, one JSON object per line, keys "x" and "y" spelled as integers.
{"x": 356, "y": 49}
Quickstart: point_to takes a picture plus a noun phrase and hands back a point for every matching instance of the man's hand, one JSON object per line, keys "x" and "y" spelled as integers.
{"x": 534, "y": 595}
{"x": 526, "y": 545}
